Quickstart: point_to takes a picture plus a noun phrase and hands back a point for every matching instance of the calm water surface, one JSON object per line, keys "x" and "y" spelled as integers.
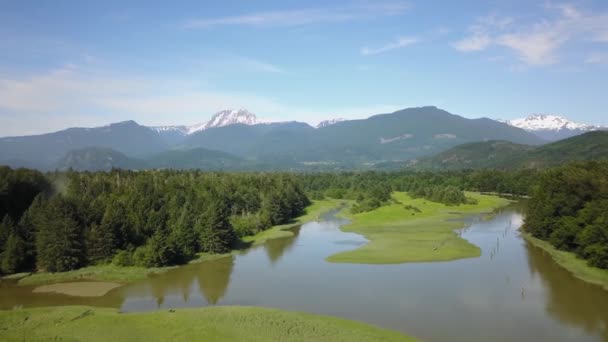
{"x": 513, "y": 292}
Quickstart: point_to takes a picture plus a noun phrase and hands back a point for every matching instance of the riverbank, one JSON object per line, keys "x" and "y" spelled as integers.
{"x": 569, "y": 261}
{"x": 123, "y": 275}
{"x": 208, "y": 324}
{"x": 414, "y": 230}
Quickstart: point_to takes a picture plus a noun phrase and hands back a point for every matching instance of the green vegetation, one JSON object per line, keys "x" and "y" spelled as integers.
{"x": 208, "y": 324}
{"x": 312, "y": 212}
{"x": 146, "y": 219}
{"x": 414, "y": 230}
{"x": 508, "y": 155}
{"x": 569, "y": 208}
{"x": 126, "y": 274}
{"x": 109, "y": 272}
{"x": 575, "y": 265}
{"x": 154, "y": 219}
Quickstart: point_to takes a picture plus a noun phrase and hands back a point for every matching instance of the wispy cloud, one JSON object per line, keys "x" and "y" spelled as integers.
{"x": 299, "y": 17}
{"x": 399, "y": 43}
{"x": 89, "y": 95}
{"x": 597, "y": 58}
{"x": 537, "y": 43}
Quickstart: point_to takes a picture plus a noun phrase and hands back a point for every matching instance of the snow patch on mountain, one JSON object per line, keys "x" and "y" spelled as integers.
{"x": 536, "y": 122}
{"x": 220, "y": 119}
{"x": 225, "y": 118}
{"x": 329, "y": 122}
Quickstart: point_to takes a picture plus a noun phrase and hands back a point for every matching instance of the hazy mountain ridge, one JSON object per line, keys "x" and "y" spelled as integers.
{"x": 399, "y": 136}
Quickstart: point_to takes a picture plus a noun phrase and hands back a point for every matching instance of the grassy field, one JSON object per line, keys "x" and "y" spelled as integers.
{"x": 111, "y": 273}
{"x": 578, "y": 267}
{"x": 398, "y": 234}
{"x": 79, "y": 323}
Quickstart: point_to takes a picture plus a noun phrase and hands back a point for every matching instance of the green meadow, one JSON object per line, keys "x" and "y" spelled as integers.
{"x": 78, "y": 323}
{"x": 414, "y": 230}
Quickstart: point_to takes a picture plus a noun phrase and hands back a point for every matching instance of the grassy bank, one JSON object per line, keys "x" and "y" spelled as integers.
{"x": 111, "y": 273}
{"x": 313, "y": 212}
{"x": 578, "y": 267}
{"x": 414, "y": 230}
{"x": 207, "y": 324}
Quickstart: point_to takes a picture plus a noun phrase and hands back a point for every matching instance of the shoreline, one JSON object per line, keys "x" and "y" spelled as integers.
{"x": 130, "y": 274}
{"x": 570, "y": 262}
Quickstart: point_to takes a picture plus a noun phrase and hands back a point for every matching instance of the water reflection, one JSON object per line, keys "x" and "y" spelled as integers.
{"x": 213, "y": 278}
{"x": 570, "y": 300}
{"x": 276, "y": 248}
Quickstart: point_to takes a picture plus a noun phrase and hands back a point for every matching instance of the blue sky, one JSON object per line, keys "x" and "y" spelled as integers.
{"x": 89, "y": 63}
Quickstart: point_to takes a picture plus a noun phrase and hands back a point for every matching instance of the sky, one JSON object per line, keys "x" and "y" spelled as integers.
{"x": 90, "y": 63}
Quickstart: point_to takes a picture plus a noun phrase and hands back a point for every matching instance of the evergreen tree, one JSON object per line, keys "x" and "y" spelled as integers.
{"x": 60, "y": 238}
{"x": 101, "y": 244}
{"x": 215, "y": 231}
{"x": 14, "y": 256}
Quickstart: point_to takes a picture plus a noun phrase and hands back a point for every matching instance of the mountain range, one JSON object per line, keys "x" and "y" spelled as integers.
{"x": 552, "y": 127}
{"x": 237, "y": 139}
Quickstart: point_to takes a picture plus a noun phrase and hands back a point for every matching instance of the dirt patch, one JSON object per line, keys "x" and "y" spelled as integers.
{"x": 79, "y": 289}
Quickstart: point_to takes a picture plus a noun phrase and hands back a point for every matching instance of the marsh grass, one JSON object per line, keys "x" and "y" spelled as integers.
{"x": 77, "y": 323}
{"x": 399, "y": 234}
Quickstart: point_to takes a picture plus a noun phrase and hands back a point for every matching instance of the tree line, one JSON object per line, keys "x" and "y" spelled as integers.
{"x": 569, "y": 208}
{"x": 65, "y": 220}
{"x": 155, "y": 218}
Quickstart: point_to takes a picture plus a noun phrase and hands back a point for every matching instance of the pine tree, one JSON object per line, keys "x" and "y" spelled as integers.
{"x": 59, "y": 239}
{"x": 216, "y": 234}
{"x": 101, "y": 243}
{"x": 14, "y": 255}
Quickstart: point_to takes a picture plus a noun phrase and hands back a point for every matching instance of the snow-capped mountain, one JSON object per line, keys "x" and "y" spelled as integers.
{"x": 329, "y": 122}
{"x": 225, "y": 118}
{"x": 220, "y": 119}
{"x": 551, "y": 127}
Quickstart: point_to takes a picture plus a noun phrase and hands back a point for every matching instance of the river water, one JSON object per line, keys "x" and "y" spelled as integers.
{"x": 513, "y": 292}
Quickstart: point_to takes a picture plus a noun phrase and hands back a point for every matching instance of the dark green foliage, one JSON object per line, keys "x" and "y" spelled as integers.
{"x": 18, "y": 188}
{"x": 14, "y": 255}
{"x": 215, "y": 231}
{"x": 569, "y": 208}
{"x": 448, "y": 195}
{"x": 60, "y": 237}
{"x": 123, "y": 258}
{"x": 101, "y": 243}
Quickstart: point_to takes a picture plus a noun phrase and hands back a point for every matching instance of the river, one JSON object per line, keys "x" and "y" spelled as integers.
{"x": 513, "y": 292}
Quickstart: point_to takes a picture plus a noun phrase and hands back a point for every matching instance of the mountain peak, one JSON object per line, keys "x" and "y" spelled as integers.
{"x": 225, "y": 118}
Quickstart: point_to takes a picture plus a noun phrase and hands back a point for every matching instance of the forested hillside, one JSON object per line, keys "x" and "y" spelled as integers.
{"x": 569, "y": 208}
{"x": 508, "y": 155}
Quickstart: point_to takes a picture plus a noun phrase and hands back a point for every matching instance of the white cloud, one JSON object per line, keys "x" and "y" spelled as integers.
{"x": 299, "y": 17}
{"x": 477, "y": 42}
{"x": 537, "y": 43}
{"x": 399, "y": 43}
{"x": 85, "y": 96}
